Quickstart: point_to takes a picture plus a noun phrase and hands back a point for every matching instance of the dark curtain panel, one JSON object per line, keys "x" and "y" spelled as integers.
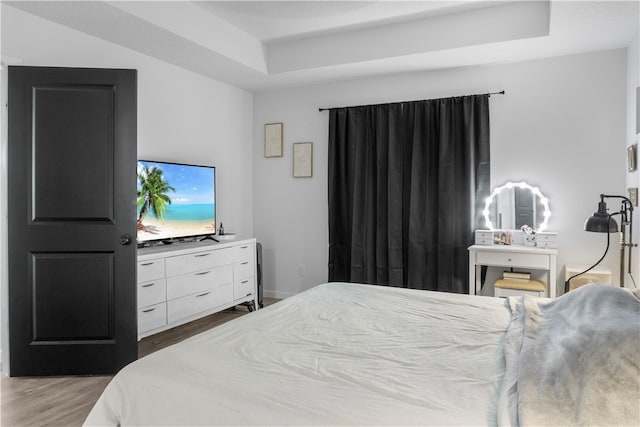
{"x": 407, "y": 182}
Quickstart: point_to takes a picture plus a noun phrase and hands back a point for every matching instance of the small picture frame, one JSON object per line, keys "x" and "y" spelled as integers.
{"x": 632, "y": 163}
{"x": 303, "y": 160}
{"x": 273, "y": 140}
{"x": 633, "y": 195}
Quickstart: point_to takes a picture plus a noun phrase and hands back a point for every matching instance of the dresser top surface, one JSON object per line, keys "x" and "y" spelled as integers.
{"x": 190, "y": 247}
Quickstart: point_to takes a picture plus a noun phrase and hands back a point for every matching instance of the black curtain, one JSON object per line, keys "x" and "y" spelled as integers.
{"x": 407, "y": 182}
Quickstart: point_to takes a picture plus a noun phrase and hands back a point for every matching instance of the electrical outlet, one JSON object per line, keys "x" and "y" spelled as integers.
{"x": 633, "y": 195}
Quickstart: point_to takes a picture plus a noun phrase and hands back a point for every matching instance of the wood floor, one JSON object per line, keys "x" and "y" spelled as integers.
{"x": 66, "y": 401}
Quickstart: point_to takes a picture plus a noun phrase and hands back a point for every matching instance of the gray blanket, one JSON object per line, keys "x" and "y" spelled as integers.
{"x": 574, "y": 360}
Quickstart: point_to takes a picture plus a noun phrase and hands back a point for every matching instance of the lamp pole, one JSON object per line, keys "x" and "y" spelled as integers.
{"x": 623, "y": 233}
{"x": 626, "y": 219}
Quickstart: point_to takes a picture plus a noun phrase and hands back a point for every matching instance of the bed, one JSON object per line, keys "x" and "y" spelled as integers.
{"x": 352, "y": 354}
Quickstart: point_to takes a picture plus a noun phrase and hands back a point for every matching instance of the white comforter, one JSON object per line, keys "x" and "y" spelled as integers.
{"x": 338, "y": 354}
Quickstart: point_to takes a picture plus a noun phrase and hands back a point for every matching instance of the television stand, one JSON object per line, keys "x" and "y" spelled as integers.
{"x": 210, "y": 237}
{"x": 187, "y": 281}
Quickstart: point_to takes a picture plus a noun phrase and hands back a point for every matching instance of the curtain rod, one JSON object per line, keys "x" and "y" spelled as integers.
{"x": 372, "y": 105}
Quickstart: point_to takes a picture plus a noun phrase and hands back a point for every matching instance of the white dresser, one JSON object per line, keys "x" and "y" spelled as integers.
{"x": 516, "y": 256}
{"x": 182, "y": 282}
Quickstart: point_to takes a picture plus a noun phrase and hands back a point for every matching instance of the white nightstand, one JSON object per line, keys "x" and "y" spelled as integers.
{"x": 515, "y": 256}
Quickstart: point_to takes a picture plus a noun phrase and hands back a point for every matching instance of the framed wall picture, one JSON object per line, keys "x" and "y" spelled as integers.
{"x": 303, "y": 160}
{"x": 633, "y": 195}
{"x": 273, "y": 139}
{"x": 632, "y": 158}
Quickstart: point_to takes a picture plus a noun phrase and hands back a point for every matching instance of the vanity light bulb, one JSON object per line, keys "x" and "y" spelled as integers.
{"x": 508, "y": 185}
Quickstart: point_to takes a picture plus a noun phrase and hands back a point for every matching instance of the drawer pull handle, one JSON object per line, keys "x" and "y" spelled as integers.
{"x": 148, "y": 285}
{"x": 203, "y": 273}
{"x": 248, "y": 295}
{"x": 509, "y": 259}
{"x": 244, "y": 263}
{"x": 148, "y": 310}
{"x": 144, "y": 264}
{"x": 201, "y": 295}
{"x": 244, "y": 247}
{"x": 201, "y": 255}
{"x": 245, "y": 281}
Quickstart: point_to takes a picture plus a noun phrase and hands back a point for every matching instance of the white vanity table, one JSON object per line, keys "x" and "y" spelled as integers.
{"x": 516, "y": 256}
{"x": 521, "y": 211}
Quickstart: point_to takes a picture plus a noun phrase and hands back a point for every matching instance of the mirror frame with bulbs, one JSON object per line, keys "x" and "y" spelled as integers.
{"x": 486, "y": 212}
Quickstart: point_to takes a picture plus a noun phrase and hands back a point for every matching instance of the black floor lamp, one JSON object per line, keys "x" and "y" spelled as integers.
{"x": 603, "y": 222}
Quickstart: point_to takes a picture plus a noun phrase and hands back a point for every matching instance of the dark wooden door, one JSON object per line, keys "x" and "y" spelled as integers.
{"x": 524, "y": 207}
{"x": 71, "y": 216}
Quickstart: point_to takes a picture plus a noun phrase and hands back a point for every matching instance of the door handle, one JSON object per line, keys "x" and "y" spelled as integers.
{"x": 125, "y": 239}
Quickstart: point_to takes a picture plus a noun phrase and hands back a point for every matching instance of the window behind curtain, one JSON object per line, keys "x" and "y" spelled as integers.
{"x": 406, "y": 183}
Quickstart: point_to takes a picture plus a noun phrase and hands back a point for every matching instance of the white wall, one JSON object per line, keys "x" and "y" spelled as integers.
{"x": 555, "y": 127}
{"x": 182, "y": 116}
{"x": 633, "y": 178}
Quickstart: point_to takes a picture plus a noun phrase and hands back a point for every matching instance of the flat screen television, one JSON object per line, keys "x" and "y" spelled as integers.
{"x": 175, "y": 201}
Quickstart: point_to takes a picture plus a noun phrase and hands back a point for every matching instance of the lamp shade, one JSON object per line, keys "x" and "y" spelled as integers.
{"x": 601, "y": 221}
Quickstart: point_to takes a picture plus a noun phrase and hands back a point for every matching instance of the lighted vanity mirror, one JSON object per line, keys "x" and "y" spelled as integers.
{"x": 515, "y": 204}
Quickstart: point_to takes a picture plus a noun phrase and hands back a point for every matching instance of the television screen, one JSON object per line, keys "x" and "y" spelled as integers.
{"x": 175, "y": 201}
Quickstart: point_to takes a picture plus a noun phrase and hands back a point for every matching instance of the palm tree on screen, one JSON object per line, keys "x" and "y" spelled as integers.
{"x": 152, "y": 195}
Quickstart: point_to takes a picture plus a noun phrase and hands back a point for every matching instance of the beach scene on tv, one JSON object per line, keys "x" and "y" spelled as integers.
{"x": 174, "y": 201}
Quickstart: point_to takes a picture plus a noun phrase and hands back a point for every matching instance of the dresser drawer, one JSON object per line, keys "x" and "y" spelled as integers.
{"x": 483, "y": 236}
{"x": 484, "y": 240}
{"x": 244, "y": 252}
{"x": 193, "y": 304}
{"x": 181, "y": 264}
{"x": 506, "y": 259}
{"x": 152, "y": 317}
{"x": 152, "y": 292}
{"x": 243, "y": 288}
{"x": 150, "y": 269}
{"x": 546, "y": 237}
{"x": 187, "y": 284}
{"x": 547, "y": 245}
{"x": 244, "y": 269}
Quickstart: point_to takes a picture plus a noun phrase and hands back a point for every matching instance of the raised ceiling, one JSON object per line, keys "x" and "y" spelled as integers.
{"x": 261, "y": 45}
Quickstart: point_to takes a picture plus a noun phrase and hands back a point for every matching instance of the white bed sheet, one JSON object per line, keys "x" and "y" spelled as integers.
{"x": 338, "y": 354}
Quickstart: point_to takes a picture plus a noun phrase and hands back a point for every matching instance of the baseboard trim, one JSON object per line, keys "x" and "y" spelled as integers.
{"x": 277, "y": 294}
